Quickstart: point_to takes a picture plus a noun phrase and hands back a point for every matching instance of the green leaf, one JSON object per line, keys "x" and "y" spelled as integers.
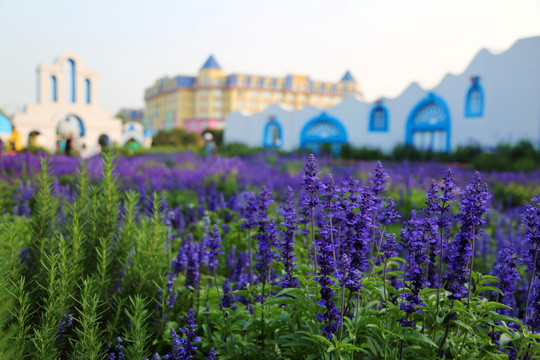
{"x": 420, "y": 337}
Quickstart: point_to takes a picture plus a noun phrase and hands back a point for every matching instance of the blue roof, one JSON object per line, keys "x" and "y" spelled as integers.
{"x": 347, "y": 77}
{"x": 231, "y": 80}
{"x": 185, "y": 81}
{"x": 211, "y": 63}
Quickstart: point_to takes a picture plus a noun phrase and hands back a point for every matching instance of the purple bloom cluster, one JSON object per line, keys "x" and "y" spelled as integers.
{"x": 183, "y": 348}
{"x": 266, "y": 235}
{"x": 311, "y": 183}
{"x": 213, "y": 243}
{"x": 413, "y": 240}
{"x": 290, "y": 224}
{"x": 65, "y": 325}
{"x": 117, "y": 352}
{"x": 389, "y": 247}
{"x": 531, "y": 220}
{"x": 508, "y": 275}
{"x": 473, "y": 205}
{"x": 326, "y": 265}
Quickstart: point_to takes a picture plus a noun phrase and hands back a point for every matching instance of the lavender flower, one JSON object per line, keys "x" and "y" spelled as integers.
{"x": 213, "y": 243}
{"x": 211, "y": 354}
{"x": 509, "y": 277}
{"x": 266, "y": 235}
{"x": 250, "y": 212}
{"x": 227, "y": 299}
{"x": 290, "y": 224}
{"x": 473, "y": 205}
{"x": 65, "y": 325}
{"x": 412, "y": 239}
{"x": 118, "y": 352}
{"x": 311, "y": 182}
{"x": 182, "y": 349}
{"x": 348, "y": 276}
{"x": 389, "y": 247}
{"x": 327, "y": 265}
{"x": 193, "y": 275}
{"x": 531, "y": 220}
{"x": 389, "y": 212}
{"x": 171, "y": 294}
{"x": 379, "y": 180}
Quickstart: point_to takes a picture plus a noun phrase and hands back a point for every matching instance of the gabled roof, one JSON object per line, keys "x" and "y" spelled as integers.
{"x": 211, "y": 63}
{"x": 347, "y": 77}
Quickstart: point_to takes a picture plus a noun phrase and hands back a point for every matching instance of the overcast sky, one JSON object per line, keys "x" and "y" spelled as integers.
{"x": 386, "y": 44}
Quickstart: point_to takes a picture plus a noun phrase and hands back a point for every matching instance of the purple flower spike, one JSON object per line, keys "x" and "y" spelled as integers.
{"x": 213, "y": 243}
{"x": 291, "y": 220}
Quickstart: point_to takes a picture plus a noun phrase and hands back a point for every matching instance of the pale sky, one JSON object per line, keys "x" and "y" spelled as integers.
{"x": 386, "y": 44}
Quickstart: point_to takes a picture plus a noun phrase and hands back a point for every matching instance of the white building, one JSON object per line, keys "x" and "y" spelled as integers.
{"x": 68, "y": 105}
{"x": 496, "y": 99}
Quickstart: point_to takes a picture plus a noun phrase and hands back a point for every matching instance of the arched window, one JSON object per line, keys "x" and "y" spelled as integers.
{"x": 474, "y": 103}
{"x": 323, "y": 129}
{"x": 54, "y": 96}
{"x": 273, "y": 134}
{"x": 378, "y": 118}
{"x": 70, "y": 80}
{"x": 88, "y": 91}
{"x": 428, "y": 125}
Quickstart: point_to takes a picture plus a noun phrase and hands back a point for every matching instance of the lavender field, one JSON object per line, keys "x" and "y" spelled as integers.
{"x": 177, "y": 256}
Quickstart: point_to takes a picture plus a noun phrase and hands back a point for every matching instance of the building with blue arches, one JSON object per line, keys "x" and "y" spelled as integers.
{"x": 68, "y": 106}
{"x": 495, "y": 100}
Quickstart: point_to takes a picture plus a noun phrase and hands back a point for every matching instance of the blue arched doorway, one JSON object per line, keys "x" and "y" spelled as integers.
{"x": 273, "y": 134}
{"x": 323, "y": 129}
{"x": 428, "y": 125}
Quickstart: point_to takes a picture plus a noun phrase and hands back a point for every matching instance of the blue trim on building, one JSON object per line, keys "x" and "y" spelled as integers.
{"x": 323, "y": 129}
{"x": 211, "y": 63}
{"x": 429, "y": 116}
{"x": 310, "y": 85}
{"x": 72, "y": 63}
{"x": 378, "y": 119}
{"x": 81, "y": 125}
{"x": 274, "y": 83}
{"x": 268, "y": 138}
{"x": 88, "y": 91}
{"x": 288, "y": 82}
{"x": 5, "y": 125}
{"x": 248, "y": 81}
{"x": 54, "y": 89}
{"x": 261, "y": 82}
{"x": 474, "y": 102}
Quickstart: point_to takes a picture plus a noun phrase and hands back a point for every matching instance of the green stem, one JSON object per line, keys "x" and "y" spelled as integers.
{"x": 445, "y": 335}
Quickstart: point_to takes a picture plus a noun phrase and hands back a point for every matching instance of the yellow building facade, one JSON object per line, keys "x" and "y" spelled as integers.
{"x": 201, "y": 102}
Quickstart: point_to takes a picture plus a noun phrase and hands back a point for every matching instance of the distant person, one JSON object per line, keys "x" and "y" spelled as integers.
{"x": 69, "y": 145}
{"x": 14, "y": 141}
{"x": 209, "y": 145}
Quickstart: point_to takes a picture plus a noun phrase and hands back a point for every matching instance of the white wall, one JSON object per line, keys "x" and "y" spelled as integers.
{"x": 511, "y": 84}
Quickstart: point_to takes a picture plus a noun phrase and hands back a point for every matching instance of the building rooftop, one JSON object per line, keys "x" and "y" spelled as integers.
{"x": 211, "y": 63}
{"x": 347, "y": 77}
